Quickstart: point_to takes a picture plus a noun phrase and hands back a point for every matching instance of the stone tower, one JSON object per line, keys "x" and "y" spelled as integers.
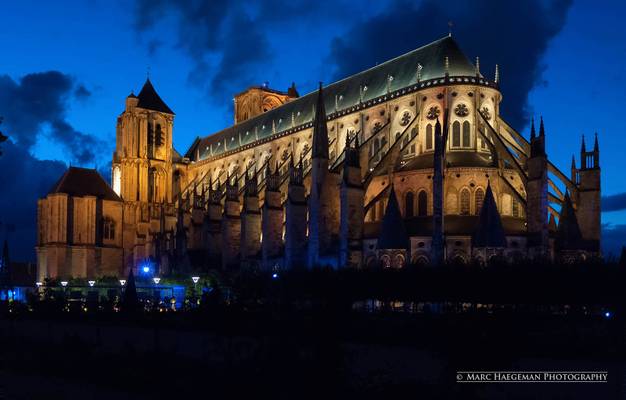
{"x": 537, "y": 194}
{"x": 250, "y": 221}
{"x": 272, "y": 219}
{"x": 588, "y": 204}
{"x": 352, "y": 196}
{"x": 142, "y": 161}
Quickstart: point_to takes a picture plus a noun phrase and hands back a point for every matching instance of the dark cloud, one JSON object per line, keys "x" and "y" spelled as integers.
{"x": 614, "y": 202}
{"x": 514, "y": 35}
{"x": 23, "y": 180}
{"x": 228, "y": 40}
{"x": 613, "y": 238}
{"x": 36, "y": 105}
{"x": 82, "y": 92}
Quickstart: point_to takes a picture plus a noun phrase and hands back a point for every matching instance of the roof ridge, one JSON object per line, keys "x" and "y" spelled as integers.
{"x": 387, "y": 62}
{"x": 348, "y": 91}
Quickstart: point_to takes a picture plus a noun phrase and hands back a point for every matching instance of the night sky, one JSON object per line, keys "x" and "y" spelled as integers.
{"x": 67, "y": 66}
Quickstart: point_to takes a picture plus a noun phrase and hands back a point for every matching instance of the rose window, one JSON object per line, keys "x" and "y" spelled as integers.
{"x": 433, "y": 113}
{"x": 461, "y": 110}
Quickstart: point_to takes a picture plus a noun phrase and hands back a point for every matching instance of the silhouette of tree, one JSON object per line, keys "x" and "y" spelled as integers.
{"x": 130, "y": 301}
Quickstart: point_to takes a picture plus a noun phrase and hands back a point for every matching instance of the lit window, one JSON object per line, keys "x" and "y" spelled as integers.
{"x": 479, "y": 197}
{"x": 466, "y": 134}
{"x": 465, "y": 202}
{"x": 108, "y": 229}
{"x": 456, "y": 134}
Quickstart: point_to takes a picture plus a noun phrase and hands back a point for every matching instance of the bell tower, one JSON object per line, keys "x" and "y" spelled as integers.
{"x": 588, "y": 204}
{"x": 142, "y": 161}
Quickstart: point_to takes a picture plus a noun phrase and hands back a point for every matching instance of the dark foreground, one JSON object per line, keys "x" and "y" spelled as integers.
{"x": 239, "y": 354}
{"x": 315, "y": 335}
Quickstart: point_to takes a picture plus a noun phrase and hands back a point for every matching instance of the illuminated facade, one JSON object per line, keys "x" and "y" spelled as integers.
{"x": 406, "y": 163}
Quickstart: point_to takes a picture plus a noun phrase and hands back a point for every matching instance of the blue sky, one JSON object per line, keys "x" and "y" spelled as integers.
{"x": 560, "y": 59}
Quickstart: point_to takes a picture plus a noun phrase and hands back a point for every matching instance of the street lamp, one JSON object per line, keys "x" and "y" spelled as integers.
{"x": 195, "y": 279}
{"x": 91, "y": 283}
{"x": 156, "y": 280}
{"x": 39, "y": 284}
{"x": 122, "y": 282}
{"x": 64, "y": 283}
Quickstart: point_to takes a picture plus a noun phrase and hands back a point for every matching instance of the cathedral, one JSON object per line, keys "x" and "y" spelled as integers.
{"x": 408, "y": 163}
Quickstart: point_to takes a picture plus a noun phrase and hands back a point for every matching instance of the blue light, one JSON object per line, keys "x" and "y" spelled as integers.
{"x": 274, "y": 275}
{"x": 607, "y": 314}
{"x": 146, "y": 269}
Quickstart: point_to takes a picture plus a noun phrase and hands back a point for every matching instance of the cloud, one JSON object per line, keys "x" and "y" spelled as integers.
{"x": 514, "y": 35}
{"x": 613, "y": 238}
{"x": 24, "y": 180}
{"x": 614, "y": 202}
{"x": 228, "y": 40}
{"x": 82, "y": 93}
{"x": 32, "y": 107}
{"x": 37, "y": 104}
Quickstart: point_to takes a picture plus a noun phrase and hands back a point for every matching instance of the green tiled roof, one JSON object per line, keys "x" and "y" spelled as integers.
{"x": 346, "y": 93}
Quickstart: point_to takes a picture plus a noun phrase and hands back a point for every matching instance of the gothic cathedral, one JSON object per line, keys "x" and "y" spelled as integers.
{"x": 405, "y": 164}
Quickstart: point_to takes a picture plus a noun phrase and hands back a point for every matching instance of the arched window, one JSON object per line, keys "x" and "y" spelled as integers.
{"x": 506, "y": 204}
{"x": 108, "y": 229}
{"x": 479, "y": 197}
{"x": 465, "y": 202}
{"x": 429, "y": 137}
{"x": 466, "y": 134}
{"x": 422, "y": 204}
{"x": 408, "y": 205}
{"x": 159, "y": 137}
{"x": 456, "y": 134}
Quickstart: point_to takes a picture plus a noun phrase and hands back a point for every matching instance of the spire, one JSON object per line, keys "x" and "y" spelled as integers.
{"x": 532, "y": 129}
{"x": 477, "y": 66}
{"x": 489, "y": 232}
{"x": 447, "y": 65}
{"x": 596, "y": 147}
{"x": 392, "y": 231}
{"x": 292, "y": 92}
{"x": 573, "y": 162}
{"x": 150, "y": 100}
{"x": 568, "y": 233}
{"x": 497, "y": 77}
{"x": 542, "y": 131}
{"x": 320, "y": 130}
